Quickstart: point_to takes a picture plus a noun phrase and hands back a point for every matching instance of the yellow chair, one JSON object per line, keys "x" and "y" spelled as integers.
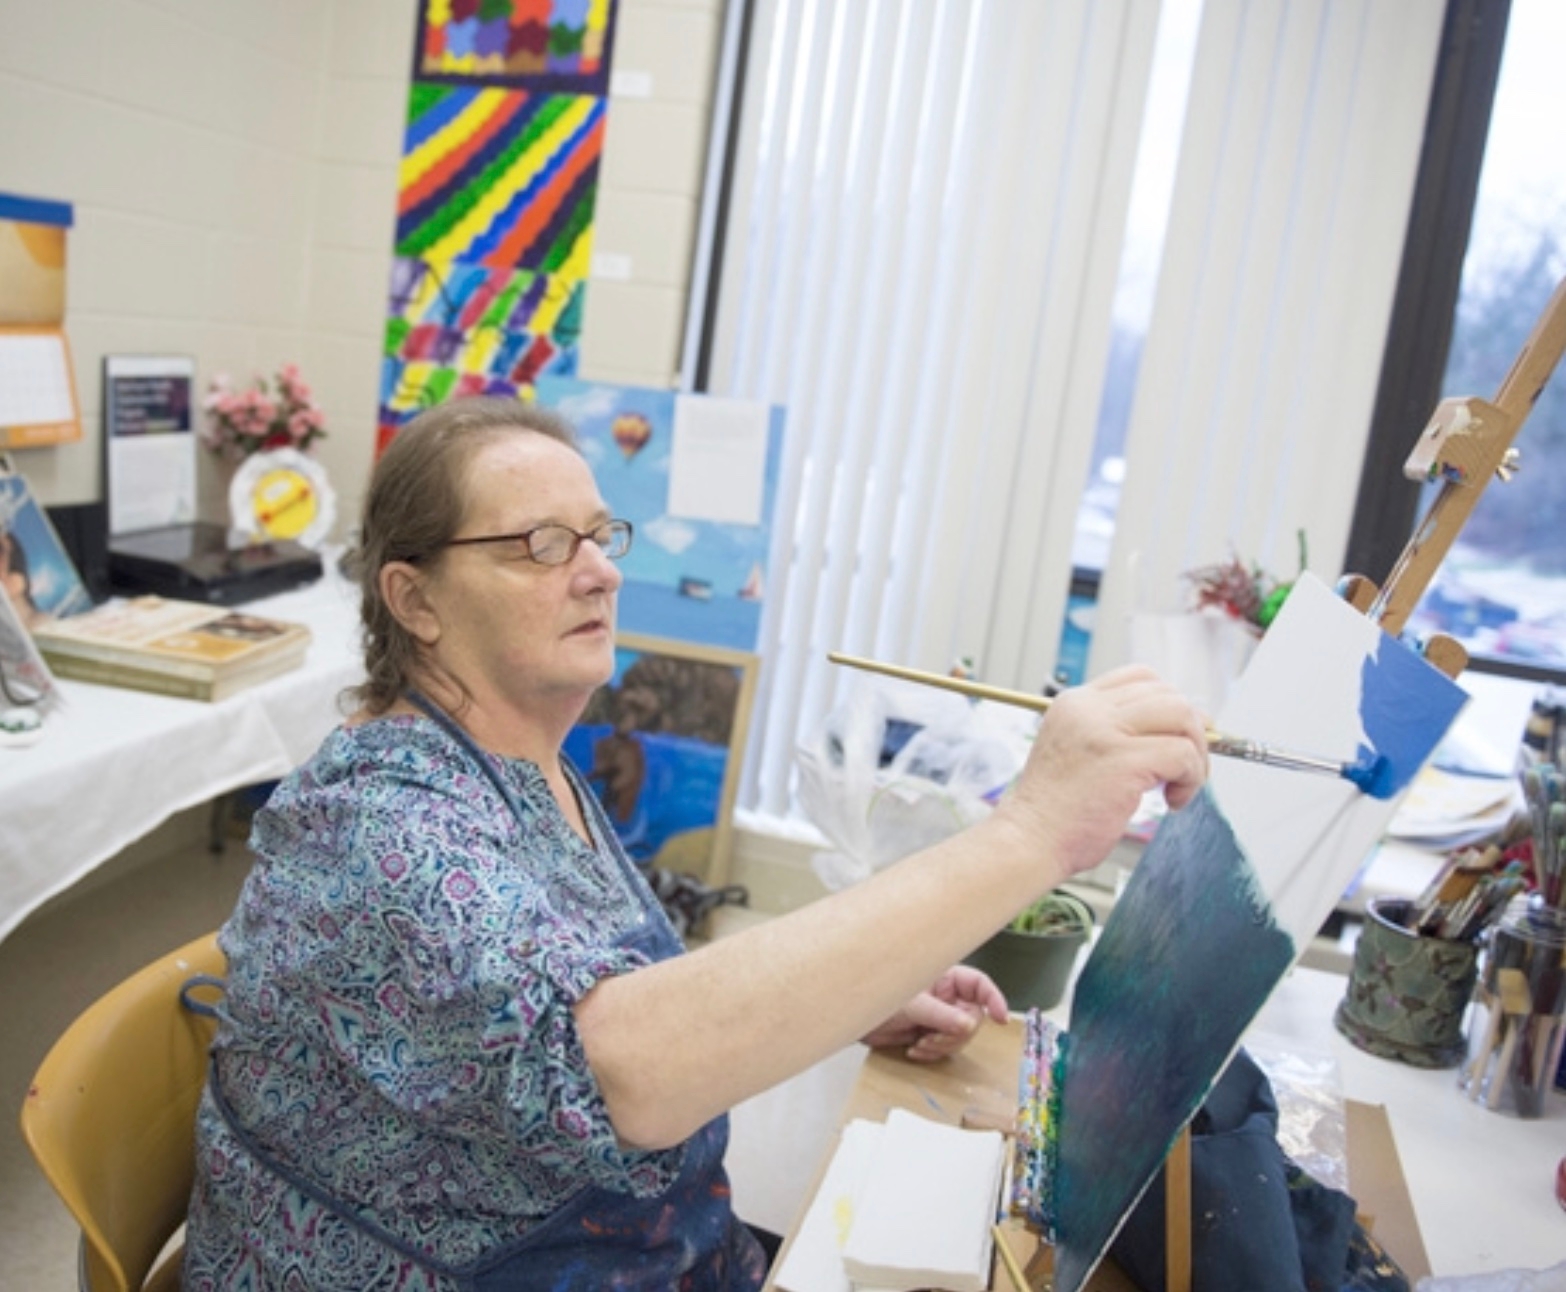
{"x": 111, "y": 1119}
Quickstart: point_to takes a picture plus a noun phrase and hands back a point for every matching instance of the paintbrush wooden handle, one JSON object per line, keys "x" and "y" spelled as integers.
{"x": 962, "y": 686}
{"x": 1486, "y": 1047}
{"x": 1503, "y": 1067}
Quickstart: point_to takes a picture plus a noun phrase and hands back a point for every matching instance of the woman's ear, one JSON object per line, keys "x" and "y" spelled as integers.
{"x": 402, "y": 589}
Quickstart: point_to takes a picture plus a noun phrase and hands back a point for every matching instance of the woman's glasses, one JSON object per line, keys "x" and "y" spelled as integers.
{"x": 558, "y": 544}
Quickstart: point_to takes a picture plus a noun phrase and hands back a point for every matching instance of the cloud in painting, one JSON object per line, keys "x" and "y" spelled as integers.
{"x": 672, "y": 535}
{"x": 593, "y": 402}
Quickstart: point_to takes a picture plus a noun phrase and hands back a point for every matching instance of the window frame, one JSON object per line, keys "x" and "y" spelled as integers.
{"x": 1419, "y": 333}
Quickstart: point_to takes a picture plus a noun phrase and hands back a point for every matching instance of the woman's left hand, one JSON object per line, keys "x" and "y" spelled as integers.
{"x": 937, "y": 1023}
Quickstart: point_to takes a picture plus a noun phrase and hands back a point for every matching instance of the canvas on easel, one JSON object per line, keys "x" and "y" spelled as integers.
{"x": 1226, "y": 898}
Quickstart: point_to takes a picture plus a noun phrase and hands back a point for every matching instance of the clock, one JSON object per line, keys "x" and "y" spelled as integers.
{"x": 282, "y": 494}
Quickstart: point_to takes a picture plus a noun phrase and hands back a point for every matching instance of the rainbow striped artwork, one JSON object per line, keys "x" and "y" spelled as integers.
{"x": 501, "y": 178}
{"x": 466, "y": 329}
{"x": 556, "y": 45}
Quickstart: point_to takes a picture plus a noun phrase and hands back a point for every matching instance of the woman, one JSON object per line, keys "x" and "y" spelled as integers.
{"x": 461, "y": 1046}
{"x": 17, "y": 582}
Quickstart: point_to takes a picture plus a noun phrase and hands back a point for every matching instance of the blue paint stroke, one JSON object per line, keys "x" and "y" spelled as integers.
{"x": 1405, "y": 707}
{"x": 1186, "y": 960}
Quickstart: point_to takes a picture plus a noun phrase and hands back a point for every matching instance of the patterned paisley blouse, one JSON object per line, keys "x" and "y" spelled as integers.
{"x": 401, "y": 1098}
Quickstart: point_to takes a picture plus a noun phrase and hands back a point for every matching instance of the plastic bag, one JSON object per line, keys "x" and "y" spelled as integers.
{"x": 898, "y": 767}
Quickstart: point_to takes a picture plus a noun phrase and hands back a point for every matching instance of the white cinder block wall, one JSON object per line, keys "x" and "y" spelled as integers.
{"x": 233, "y": 168}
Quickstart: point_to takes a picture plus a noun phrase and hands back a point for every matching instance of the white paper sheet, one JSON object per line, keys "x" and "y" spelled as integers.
{"x": 35, "y": 381}
{"x": 718, "y": 468}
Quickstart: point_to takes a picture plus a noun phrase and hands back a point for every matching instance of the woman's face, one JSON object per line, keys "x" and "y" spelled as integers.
{"x": 513, "y": 631}
{"x": 13, "y": 583}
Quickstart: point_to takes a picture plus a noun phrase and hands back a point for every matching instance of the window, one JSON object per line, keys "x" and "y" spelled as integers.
{"x": 925, "y": 240}
{"x": 1502, "y": 588}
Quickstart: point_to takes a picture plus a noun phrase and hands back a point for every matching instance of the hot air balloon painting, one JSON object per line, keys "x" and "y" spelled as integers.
{"x": 631, "y": 432}
{"x": 688, "y": 577}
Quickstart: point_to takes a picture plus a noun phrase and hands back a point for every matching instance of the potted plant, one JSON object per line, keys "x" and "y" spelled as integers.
{"x": 1031, "y": 958}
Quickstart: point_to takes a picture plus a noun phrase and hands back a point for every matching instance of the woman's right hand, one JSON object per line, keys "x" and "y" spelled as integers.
{"x": 1100, "y": 747}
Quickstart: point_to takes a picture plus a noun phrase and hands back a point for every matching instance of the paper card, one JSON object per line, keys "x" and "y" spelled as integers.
{"x": 719, "y": 465}
{"x": 149, "y": 441}
{"x": 37, "y": 390}
{"x": 32, "y": 267}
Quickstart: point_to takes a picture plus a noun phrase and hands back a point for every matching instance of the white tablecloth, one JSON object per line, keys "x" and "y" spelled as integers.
{"x": 115, "y": 763}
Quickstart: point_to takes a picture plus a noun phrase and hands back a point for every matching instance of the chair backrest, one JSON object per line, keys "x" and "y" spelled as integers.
{"x": 111, "y": 1115}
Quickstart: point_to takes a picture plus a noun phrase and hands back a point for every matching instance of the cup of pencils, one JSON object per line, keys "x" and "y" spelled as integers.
{"x": 1519, "y": 1027}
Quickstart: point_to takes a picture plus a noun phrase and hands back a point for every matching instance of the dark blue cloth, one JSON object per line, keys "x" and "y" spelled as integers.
{"x": 1258, "y": 1222}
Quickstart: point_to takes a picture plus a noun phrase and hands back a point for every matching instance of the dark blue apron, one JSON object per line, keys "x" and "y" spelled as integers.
{"x": 684, "y": 1238}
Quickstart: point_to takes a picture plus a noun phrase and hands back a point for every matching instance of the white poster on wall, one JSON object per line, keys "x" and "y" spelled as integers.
{"x": 149, "y": 441}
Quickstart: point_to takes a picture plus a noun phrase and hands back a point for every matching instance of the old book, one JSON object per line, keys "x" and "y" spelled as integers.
{"x": 172, "y": 647}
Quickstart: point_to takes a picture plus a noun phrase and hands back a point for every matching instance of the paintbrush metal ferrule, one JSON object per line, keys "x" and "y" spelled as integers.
{"x": 1253, "y": 751}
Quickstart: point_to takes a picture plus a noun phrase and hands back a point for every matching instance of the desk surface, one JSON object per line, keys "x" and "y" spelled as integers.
{"x": 1481, "y": 1182}
{"x": 115, "y": 763}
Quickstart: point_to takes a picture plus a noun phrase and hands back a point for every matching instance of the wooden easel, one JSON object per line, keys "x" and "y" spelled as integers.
{"x": 1467, "y": 442}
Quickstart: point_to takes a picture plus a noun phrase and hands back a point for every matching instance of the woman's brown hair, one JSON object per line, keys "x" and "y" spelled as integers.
{"x": 415, "y": 503}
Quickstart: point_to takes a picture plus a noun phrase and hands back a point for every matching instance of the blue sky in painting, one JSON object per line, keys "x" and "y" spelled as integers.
{"x": 669, "y": 550}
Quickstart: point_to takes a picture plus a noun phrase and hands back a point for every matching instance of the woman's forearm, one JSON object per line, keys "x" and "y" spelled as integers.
{"x": 678, "y": 1043}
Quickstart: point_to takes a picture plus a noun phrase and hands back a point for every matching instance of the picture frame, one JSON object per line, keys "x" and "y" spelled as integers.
{"x": 25, "y": 679}
{"x": 566, "y": 50}
{"x": 36, "y": 572}
{"x": 661, "y": 745}
{"x": 661, "y": 458}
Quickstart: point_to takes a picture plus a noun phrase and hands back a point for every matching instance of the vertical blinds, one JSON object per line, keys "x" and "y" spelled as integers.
{"x": 1254, "y": 398}
{"x": 928, "y": 207}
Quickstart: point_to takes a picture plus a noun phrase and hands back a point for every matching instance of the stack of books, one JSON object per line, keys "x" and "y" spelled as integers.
{"x": 179, "y": 648}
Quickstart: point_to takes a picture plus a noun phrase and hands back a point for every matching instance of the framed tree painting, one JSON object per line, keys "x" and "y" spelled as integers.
{"x": 661, "y": 746}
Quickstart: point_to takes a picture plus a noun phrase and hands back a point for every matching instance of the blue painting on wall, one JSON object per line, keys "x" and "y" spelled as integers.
{"x": 686, "y": 577}
{"x": 660, "y": 746}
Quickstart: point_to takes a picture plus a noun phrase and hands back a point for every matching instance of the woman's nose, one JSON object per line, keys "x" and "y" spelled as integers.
{"x": 598, "y": 568}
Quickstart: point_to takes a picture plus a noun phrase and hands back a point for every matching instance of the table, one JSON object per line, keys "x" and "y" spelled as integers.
{"x": 1481, "y": 1182}
{"x": 115, "y": 763}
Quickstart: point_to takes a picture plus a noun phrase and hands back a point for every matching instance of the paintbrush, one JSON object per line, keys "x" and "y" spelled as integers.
{"x": 1516, "y": 1004}
{"x": 1553, "y": 868}
{"x": 1364, "y": 772}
